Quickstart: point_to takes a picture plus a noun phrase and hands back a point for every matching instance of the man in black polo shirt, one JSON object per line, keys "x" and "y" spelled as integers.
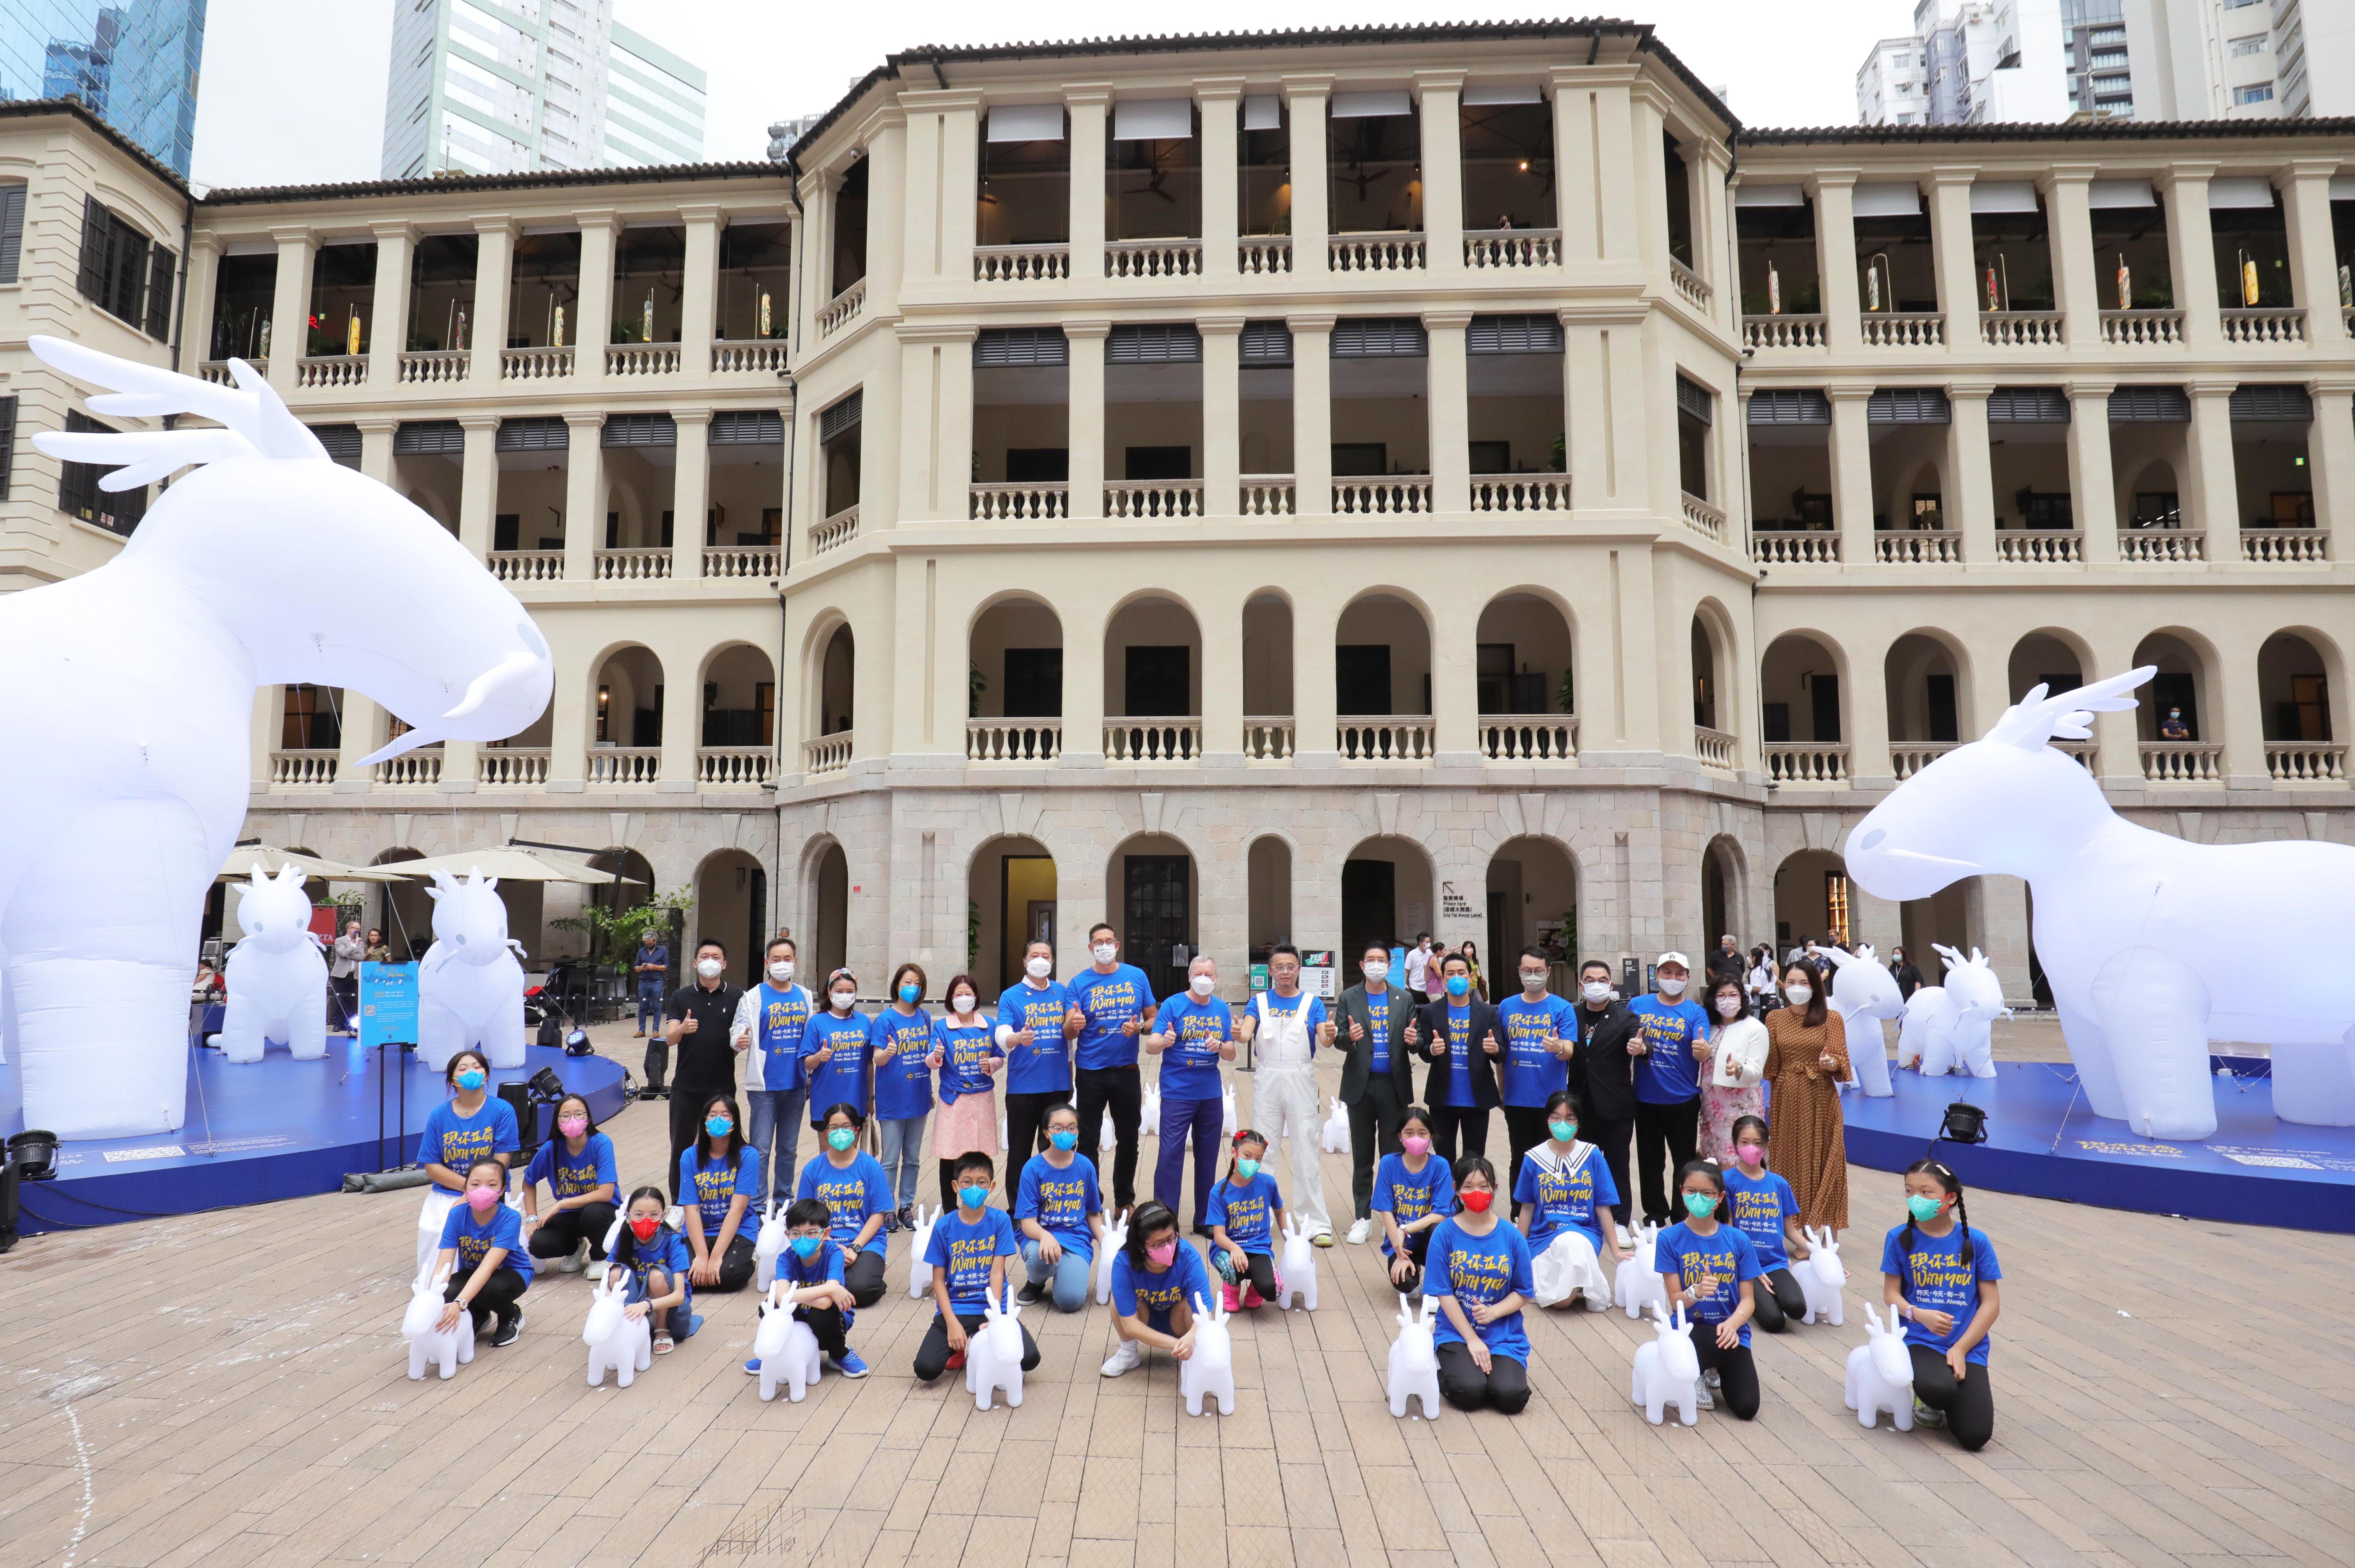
{"x": 695, "y": 1023}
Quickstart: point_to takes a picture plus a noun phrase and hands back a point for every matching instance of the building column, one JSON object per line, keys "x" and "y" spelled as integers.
{"x": 584, "y": 495}
{"x": 2092, "y": 489}
{"x": 1306, "y": 98}
{"x": 1316, "y": 699}
{"x": 396, "y": 244}
{"x": 1220, "y": 102}
{"x": 376, "y": 448}
{"x": 1997, "y": 913}
{"x": 1084, "y": 627}
{"x": 1221, "y": 414}
{"x": 289, "y": 306}
{"x": 487, "y": 327}
{"x": 1312, "y": 409}
{"x": 960, "y": 205}
{"x": 1605, "y": 395}
{"x": 2076, "y": 278}
{"x": 1448, "y": 402}
{"x": 1441, "y": 96}
{"x": 1713, "y": 253}
{"x": 699, "y": 290}
{"x": 572, "y": 721}
{"x": 1852, "y": 442}
{"x": 1970, "y": 470}
{"x": 1221, "y": 624}
{"x": 268, "y": 727}
{"x": 1867, "y": 716}
{"x": 2313, "y": 261}
{"x": 936, "y": 398}
{"x": 1950, "y": 237}
{"x": 478, "y": 483}
{"x": 814, "y": 243}
{"x": 362, "y": 721}
{"x": 1088, "y": 106}
{"x": 690, "y": 493}
{"x": 2214, "y": 483}
{"x": 2191, "y": 252}
{"x": 1085, "y": 416}
{"x": 2331, "y": 455}
{"x": 682, "y": 720}
{"x": 1456, "y": 680}
{"x": 2236, "y": 712}
{"x": 198, "y": 297}
{"x": 887, "y": 239}
{"x": 1835, "y": 194}
{"x": 1621, "y": 210}
{"x": 595, "y": 321}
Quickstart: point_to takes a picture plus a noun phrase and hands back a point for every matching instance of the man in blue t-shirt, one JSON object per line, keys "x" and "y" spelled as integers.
{"x": 1539, "y": 1031}
{"x": 767, "y": 1033}
{"x": 1673, "y": 1035}
{"x": 1114, "y": 1002}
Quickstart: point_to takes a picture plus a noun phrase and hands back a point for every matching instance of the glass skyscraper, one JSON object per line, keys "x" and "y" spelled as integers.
{"x": 134, "y": 62}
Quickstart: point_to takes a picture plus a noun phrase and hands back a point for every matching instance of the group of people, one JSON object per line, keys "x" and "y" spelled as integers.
{"x": 1590, "y": 1086}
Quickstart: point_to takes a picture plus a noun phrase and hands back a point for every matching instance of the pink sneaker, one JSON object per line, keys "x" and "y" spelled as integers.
{"x": 1252, "y": 1297}
{"x": 1229, "y": 1299}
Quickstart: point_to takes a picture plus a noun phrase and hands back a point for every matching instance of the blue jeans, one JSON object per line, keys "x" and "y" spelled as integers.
{"x": 1070, "y": 1275}
{"x": 903, "y": 1143}
{"x": 650, "y": 1004}
{"x": 777, "y": 1111}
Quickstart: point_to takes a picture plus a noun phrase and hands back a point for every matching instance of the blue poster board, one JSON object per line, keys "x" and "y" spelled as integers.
{"x": 387, "y": 1004}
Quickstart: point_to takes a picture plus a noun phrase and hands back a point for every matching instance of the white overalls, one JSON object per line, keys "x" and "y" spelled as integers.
{"x": 1284, "y": 1105}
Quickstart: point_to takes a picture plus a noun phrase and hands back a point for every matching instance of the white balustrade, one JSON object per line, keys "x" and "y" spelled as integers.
{"x": 1153, "y": 259}
{"x": 1160, "y": 498}
{"x": 332, "y": 371}
{"x": 1534, "y": 738}
{"x": 1714, "y": 748}
{"x": 2039, "y": 546}
{"x": 1267, "y": 496}
{"x": 1807, "y": 765}
{"x": 217, "y": 372}
{"x": 739, "y": 767}
{"x": 632, "y": 565}
{"x": 826, "y": 754}
{"x": 1785, "y": 332}
{"x": 421, "y": 769}
{"x": 436, "y": 367}
{"x": 2142, "y": 328}
{"x": 756, "y": 561}
{"x": 1410, "y": 492}
{"x": 2084, "y": 753}
{"x": 526, "y": 565}
{"x": 1265, "y": 253}
{"x": 302, "y": 769}
{"x": 997, "y": 503}
{"x": 843, "y": 309}
{"x": 1393, "y": 740}
{"x": 1894, "y": 329}
{"x": 2147, "y": 546}
{"x": 755, "y": 354}
{"x": 2022, "y": 328}
{"x": 642, "y": 359}
{"x": 1153, "y": 740}
{"x": 1794, "y": 547}
{"x": 2305, "y": 762}
{"x": 1918, "y": 546}
{"x": 1013, "y": 739}
{"x": 1394, "y": 252}
{"x": 1521, "y": 492}
{"x": 511, "y": 767}
{"x": 1691, "y": 287}
{"x": 1703, "y": 519}
{"x": 1486, "y": 248}
{"x": 535, "y": 364}
{"x": 2346, "y": 319}
{"x": 1268, "y": 738}
{"x": 2283, "y": 327}
{"x": 1907, "y": 758}
{"x": 616, "y": 765}
{"x": 835, "y": 531}
{"x": 2274, "y": 547}
{"x": 1020, "y": 264}
{"x": 2182, "y": 762}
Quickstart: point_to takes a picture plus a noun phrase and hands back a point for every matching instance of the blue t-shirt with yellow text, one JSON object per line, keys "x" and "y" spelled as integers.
{"x": 1190, "y": 1067}
{"x": 1933, "y": 1275}
{"x": 1060, "y": 1200}
{"x": 964, "y": 1251}
{"x": 1045, "y": 1064}
{"x": 1410, "y": 1195}
{"x": 1248, "y": 1211}
{"x": 782, "y": 1016}
{"x": 1724, "y": 1258}
{"x": 570, "y": 1175}
{"x": 1567, "y": 1196}
{"x": 1477, "y": 1271}
{"x": 1760, "y": 1206}
{"x": 458, "y": 1141}
{"x": 902, "y": 1046}
{"x": 1667, "y": 1073}
{"x": 1533, "y": 1073}
{"x": 1110, "y": 1001}
{"x": 1141, "y": 1293}
{"x": 841, "y": 1078}
{"x": 503, "y": 1227}
{"x": 853, "y": 1195}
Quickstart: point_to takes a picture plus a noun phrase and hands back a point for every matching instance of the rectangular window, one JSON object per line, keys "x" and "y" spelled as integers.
{"x": 161, "y": 263}
{"x": 7, "y": 443}
{"x": 2261, "y": 93}
{"x": 11, "y": 230}
{"x": 2253, "y": 44}
{"x": 113, "y": 269}
{"x": 78, "y": 494}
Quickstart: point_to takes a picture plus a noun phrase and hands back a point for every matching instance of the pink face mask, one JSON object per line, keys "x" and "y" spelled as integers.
{"x": 482, "y": 1200}
{"x": 1415, "y": 1145}
{"x": 1164, "y": 1254}
{"x": 573, "y": 1127}
{"x": 1752, "y": 1154}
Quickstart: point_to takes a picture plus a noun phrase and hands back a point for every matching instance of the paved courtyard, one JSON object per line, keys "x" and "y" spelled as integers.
{"x": 229, "y": 1388}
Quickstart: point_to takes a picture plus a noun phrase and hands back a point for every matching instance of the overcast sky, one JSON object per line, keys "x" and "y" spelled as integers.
{"x": 293, "y": 90}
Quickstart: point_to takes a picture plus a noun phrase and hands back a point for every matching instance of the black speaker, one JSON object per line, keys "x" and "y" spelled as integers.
{"x": 520, "y": 1100}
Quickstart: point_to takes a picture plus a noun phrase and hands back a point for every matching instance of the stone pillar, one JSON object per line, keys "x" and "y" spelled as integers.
{"x": 2213, "y": 483}
{"x": 960, "y": 187}
{"x": 690, "y": 492}
{"x": 589, "y": 331}
{"x": 584, "y": 495}
{"x": 2305, "y": 185}
{"x": 197, "y": 301}
{"x": 682, "y": 720}
{"x": 269, "y": 723}
{"x": 1306, "y": 98}
{"x": 1970, "y": 470}
{"x": 699, "y": 290}
{"x": 363, "y": 721}
{"x": 1866, "y": 719}
{"x": 289, "y": 306}
{"x": 2331, "y": 455}
{"x": 1621, "y": 207}
{"x": 2235, "y": 713}
{"x": 1083, "y": 682}
{"x": 1088, "y": 106}
{"x": 1950, "y": 235}
{"x": 1315, "y": 624}
{"x": 952, "y": 467}
{"x": 1219, "y": 101}
{"x": 1455, "y": 679}
{"x": 1577, "y": 204}
{"x": 1086, "y": 418}
{"x": 1221, "y": 623}
{"x": 572, "y": 717}
{"x": 1998, "y": 919}
{"x": 487, "y": 326}
{"x": 887, "y": 236}
{"x": 1221, "y": 414}
{"x": 1440, "y": 93}
{"x": 1835, "y": 193}
{"x": 1852, "y": 497}
{"x": 1713, "y": 255}
{"x": 2093, "y": 490}
{"x": 388, "y": 331}
{"x": 2076, "y": 278}
{"x": 1312, "y": 410}
{"x": 1448, "y": 402}
{"x": 376, "y": 448}
{"x": 815, "y": 245}
{"x": 478, "y": 483}
{"x": 2191, "y": 252}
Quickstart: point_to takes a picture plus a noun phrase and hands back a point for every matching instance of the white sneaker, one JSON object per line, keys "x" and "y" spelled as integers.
{"x": 1711, "y": 1379}
{"x": 1703, "y": 1398}
{"x": 1627, "y": 1242}
{"x": 1359, "y": 1231}
{"x": 1128, "y": 1359}
{"x": 570, "y": 1262}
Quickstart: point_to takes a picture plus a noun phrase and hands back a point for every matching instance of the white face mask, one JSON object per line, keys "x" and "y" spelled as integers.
{"x": 1201, "y": 985}
{"x": 1595, "y": 991}
{"x": 780, "y": 973}
{"x": 841, "y": 1000}
{"x": 1038, "y": 968}
{"x": 1105, "y": 952}
{"x": 1671, "y": 988}
{"x": 710, "y": 969}
{"x": 1728, "y": 1005}
{"x": 1533, "y": 984}
{"x": 961, "y": 1003}
{"x": 1375, "y": 971}
{"x": 1799, "y": 995}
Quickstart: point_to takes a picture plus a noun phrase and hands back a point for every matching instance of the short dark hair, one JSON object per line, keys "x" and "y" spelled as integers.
{"x": 844, "y": 1107}
{"x": 1102, "y": 925}
{"x": 1447, "y": 959}
{"x": 1381, "y": 947}
{"x": 974, "y": 1159}
{"x": 1593, "y": 963}
{"x": 1283, "y": 947}
{"x": 808, "y": 1211}
{"x": 712, "y": 942}
{"x": 1537, "y": 953}
{"x": 785, "y": 942}
{"x": 1423, "y": 936}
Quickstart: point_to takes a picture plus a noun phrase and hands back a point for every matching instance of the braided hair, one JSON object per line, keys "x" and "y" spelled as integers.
{"x": 1943, "y": 1175}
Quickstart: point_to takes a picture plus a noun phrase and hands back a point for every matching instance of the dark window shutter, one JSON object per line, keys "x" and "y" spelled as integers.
{"x": 2273, "y": 403}
{"x": 1696, "y": 400}
{"x": 1514, "y": 335}
{"x": 1379, "y": 337}
{"x": 90, "y": 278}
{"x": 1004, "y": 345}
{"x": 1154, "y": 342}
{"x": 1266, "y": 343}
{"x": 631, "y": 430}
{"x": 844, "y": 415}
{"x": 1909, "y": 405}
{"x": 748, "y": 427}
{"x": 428, "y": 438}
{"x": 2151, "y": 405}
{"x": 11, "y": 230}
{"x": 161, "y": 265}
{"x": 2027, "y": 405}
{"x": 539, "y": 435}
{"x": 1790, "y": 405}
{"x": 7, "y": 443}
{"x": 342, "y": 442}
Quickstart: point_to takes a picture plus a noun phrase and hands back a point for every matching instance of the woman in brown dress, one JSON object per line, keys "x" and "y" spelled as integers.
{"x": 1806, "y": 1056}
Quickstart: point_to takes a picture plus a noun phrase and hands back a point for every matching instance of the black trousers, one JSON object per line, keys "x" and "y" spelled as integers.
{"x": 1613, "y": 1138}
{"x": 933, "y": 1355}
{"x": 561, "y": 1233}
{"x": 1525, "y": 1128}
{"x": 948, "y": 1184}
{"x": 1024, "y": 1115}
{"x": 1665, "y": 1140}
{"x": 1418, "y": 1247}
{"x": 1737, "y": 1374}
{"x": 1122, "y": 1090}
{"x": 1778, "y": 1299}
{"x": 1969, "y": 1404}
{"x": 1259, "y": 1271}
{"x": 735, "y": 1266}
{"x": 1373, "y": 1132}
{"x": 346, "y": 1004}
{"x": 864, "y": 1276}
{"x": 1462, "y": 1384}
{"x": 1459, "y": 1130}
{"x": 827, "y": 1324}
{"x": 500, "y": 1293}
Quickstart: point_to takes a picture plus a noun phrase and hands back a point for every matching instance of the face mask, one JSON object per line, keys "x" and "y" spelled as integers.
{"x": 1595, "y": 991}
{"x": 1477, "y": 1200}
{"x": 1700, "y": 1205}
{"x": 1798, "y": 994}
{"x": 973, "y": 1197}
{"x": 1533, "y": 984}
{"x": 911, "y": 995}
{"x": 1727, "y": 1006}
{"x": 839, "y": 1139}
{"x": 644, "y": 1226}
{"x": 1415, "y": 1144}
{"x": 1375, "y": 971}
{"x": 780, "y": 973}
{"x": 1562, "y": 1131}
{"x": 1458, "y": 985}
{"x": 960, "y": 1004}
{"x": 1751, "y": 1154}
{"x": 471, "y": 1079}
{"x": 483, "y": 1199}
{"x": 1162, "y": 1255}
{"x": 1038, "y": 968}
{"x": 1201, "y": 985}
{"x": 573, "y": 1127}
{"x": 710, "y": 969}
{"x": 1924, "y": 1210}
{"x": 840, "y": 1001}
{"x": 1066, "y": 1142}
{"x": 1671, "y": 988}
{"x": 718, "y": 1126}
{"x": 808, "y": 1246}
{"x": 1246, "y": 1168}
{"x": 1105, "y": 952}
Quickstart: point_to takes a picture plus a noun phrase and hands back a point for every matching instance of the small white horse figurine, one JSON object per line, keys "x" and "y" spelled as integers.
{"x": 1880, "y": 1374}
{"x": 993, "y": 1356}
{"x": 277, "y": 980}
{"x": 1822, "y": 1276}
{"x": 469, "y": 986}
{"x": 788, "y": 1352}
{"x": 1414, "y": 1361}
{"x": 1668, "y": 1370}
{"x": 615, "y": 1339}
{"x": 1863, "y": 993}
{"x": 429, "y": 1342}
{"x": 1295, "y": 1277}
{"x": 131, "y": 703}
{"x": 1116, "y": 1238}
{"x": 766, "y": 1249}
{"x": 1209, "y": 1372}
{"x": 2150, "y": 942}
{"x": 1637, "y": 1285}
{"x": 1950, "y": 1027}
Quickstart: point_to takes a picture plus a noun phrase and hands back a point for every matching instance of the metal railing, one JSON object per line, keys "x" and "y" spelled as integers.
{"x": 535, "y": 364}
{"x": 1386, "y": 739}
{"x": 994, "y": 503}
{"x": 332, "y": 371}
{"x": 1260, "y": 254}
{"x": 526, "y": 565}
{"x": 1160, "y": 499}
{"x": 835, "y": 531}
{"x": 843, "y": 309}
{"x": 1521, "y": 492}
{"x": 1394, "y": 251}
{"x": 1714, "y": 748}
{"x": 2283, "y": 327}
{"x": 617, "y": 765}
{"x": 632, "y": 565}
{"x": 1910, "y": 329}
{"x": 1408, "y": 493}
{"x": 1794, "y": 547}
{"x": 2305, "y": 762}
{"x": 2039, "y": 546}
{"x": 1153, "y": 740}
{"x": 642, "y": 359}
{"x": 1013, "y": 739}
{"x": 436, "y": 367}
{"x": 1266, "y": 495}
{"x": 758, "y": 562}
{"x": 1785, "y": 332}
{"x": 511, "y": 767}
{"x": 2143, "y": 547}
{"x": 1268, "y": 738}
{"x": 826, "y": 754}
{"x": 730, "y": 354}
{"x": 1487, "y": 248}
{"x": 1918, "y": 546}
{"x": 1529, "y": 740}
{"x": 2022, "y": 328}
{"x": 1806, "y": 764}
{"x": 2182, "y": 762}
{"x": 723, "y": 767}
{"x": 2274, "y": 547}
{"x": 1153, "y": 259}
{"x": 2142, "y": 328}
{"x": 302, "y": 769}
{"x": 1020, "y": 264}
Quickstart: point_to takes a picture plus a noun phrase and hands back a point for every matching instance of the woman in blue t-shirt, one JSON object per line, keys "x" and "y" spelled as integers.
{"x": 850, "y": 1182}
{"x": 900, "y": 1043}
{"x": 1246, "y": 1215}
{"x": 1765, "y": 1209}
{"x": 965, "y": 1053}
{"x": 1413, "y": 1192}
{"x": 470, "y": 1124}
{"x": 656, "y": 1258}
{"x": 1059, "y": 1214}
{"x": 578, "y": 1166}
{"x": 1156, "y": 1278}
{"x": 1479, "y": 1275}
{"x": 718, "y": 1179}
{"x": 482, "y": 1248}
{"x": 1561, "y": 1186}
{"x": 1942, "y": 1275}
{"x": 1712, "y": 1271}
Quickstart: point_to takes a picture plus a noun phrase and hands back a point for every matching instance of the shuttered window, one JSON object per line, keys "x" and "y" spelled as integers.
{"x": 2027, "y": 405}
{"x": 1381, "y": 338}
{"x": 1514, "y": 335}
{"x": 161, "y": 263}
{"x": 2277, "y": 403}
{"x": 844, "y": 415}
{"x": 1266, "y": 343}
{"x": 427, "y": 438}
{"x": 748, "y": 427}
{"x": 2151, "y": 405}
{"x": 1790, "y": 405}
{"x": 1002, "y": 346}
{"x": 1154, "y": 342}
{"x": 7, "y": 443}
{"x": 633, "y": 429}
{"x": 78, "y": 494}
{"x": 113, "y": 270}
{"x": 11, "y": 230}
{"x": 539, "y": 435}
{"x": 342, "y": 442}
{"x": 1908, "y": 405}
{"x": 1696, "y": 400}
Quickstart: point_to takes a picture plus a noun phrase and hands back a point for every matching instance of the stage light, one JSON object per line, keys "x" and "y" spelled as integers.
{"x": 546, "y": 1086}
{"x": 577, "y": 1043}
{"x": 34, "y": 1155}
{"x": 1964, "y": 1124}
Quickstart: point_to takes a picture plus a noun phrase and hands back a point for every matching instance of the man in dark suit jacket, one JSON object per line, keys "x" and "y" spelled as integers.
{"x": 1603, "y": 1073}
{"x": 1377, "y": 1099}
{"x": 1452, "y": 1125}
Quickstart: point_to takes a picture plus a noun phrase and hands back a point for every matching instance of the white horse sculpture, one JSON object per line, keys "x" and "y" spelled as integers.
{"x": 1950, "y": 1027}
{"x": 1863, "y": 993}
{"x": 131, "y": 701}
{"x": 469, "y": 986}
{"x": 2154, "y": 946}
{"x": 277, "y": 980}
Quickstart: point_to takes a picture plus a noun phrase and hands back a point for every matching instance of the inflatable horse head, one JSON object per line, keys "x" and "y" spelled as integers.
{"x": 470, "y": 920}
{"x": 274, "y": 914}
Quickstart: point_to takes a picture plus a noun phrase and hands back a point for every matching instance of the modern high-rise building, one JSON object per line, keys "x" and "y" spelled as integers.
{"x": 2243, "y": 60}
{"x": 499, "y": 87}
{"x": 2096, "y": 60}
{"x": 134, "y": 64}
{"x": 1988, "y": 61}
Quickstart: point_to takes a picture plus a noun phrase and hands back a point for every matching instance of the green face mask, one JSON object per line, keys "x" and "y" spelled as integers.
{"x": 840, "y": 1138}
{"x": 1700, "y": 1205}
{"x": 1246, "y": 1168}
{"x": 1562, "y": 1131}
{"x": 1924, "y": 1210}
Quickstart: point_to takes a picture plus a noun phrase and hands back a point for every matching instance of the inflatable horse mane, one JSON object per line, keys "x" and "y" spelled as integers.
{"x": 131, "y": 701}
{"x": 2154, "y": 946}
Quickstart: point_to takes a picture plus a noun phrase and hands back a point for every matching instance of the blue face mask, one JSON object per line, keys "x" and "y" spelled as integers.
{"x": 840, "y": 1138}
{"x": 471, "y": 1079}
{"x": 718, "y": 1126}
{"x": 805, "y": 1247}
{"x": 1246, "y": 1168}
{"x": 1064, "y": 1141}
{"x": 911, "y": 995}
{"x": 1458, "y": 985}
{"x": 974, "y": 1197}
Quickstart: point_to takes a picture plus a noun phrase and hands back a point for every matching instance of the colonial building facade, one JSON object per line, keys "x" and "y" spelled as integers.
{"x": 1323, "y": 486}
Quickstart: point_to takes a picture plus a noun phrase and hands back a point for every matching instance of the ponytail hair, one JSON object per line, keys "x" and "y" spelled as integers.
{"x": 1943, "y": 1175}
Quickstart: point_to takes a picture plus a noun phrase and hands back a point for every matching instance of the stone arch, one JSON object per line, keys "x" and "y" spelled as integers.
{"x": 2189, "y": 678}
{"x": 732, "y": 904}
{"x": 2301, "y": 683}
{"x": 1533, "y": 890}
{"x": 1152, "y": 896}
{"x": 1388, "y": 883}
{"x": 1012, "y": 880}
{"x": 1926, "y": 683}
{"x": 1794, "y": 706}
{"x": 1014, "y": 644}
{"x": 1541, "y": 631}
{"x": 1398, "y": 679}
{"x": 2043, "y": 654}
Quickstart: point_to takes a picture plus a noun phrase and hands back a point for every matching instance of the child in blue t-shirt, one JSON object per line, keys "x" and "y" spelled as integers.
{"x": 1246, "y": 1213}
{"x": 1058, "y": 1211}
{"x": 852, "y": 1184}
{"x": 719, "y": 1177}
{"x": 1710, "y": 1269}
{"x": 1942, "y": 1275}
{"x": 578, "y": 1166}
{"x": 1413, "y": 1192}
{"x": 809, "y": 1285}
{"x": 1157, "y": 1279}
{"x": 970, "y": 1250}
{"x": 1561, "y": 1187}
{"x": 1479, "y": 1273}
{"x": 656, "y": 1258}
{"x": 482, "y": 1248}
{"x": 1765, "y": 1209}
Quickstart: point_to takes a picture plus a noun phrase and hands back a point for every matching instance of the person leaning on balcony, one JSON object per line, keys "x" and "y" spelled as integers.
{"x": 2173, "y": 728}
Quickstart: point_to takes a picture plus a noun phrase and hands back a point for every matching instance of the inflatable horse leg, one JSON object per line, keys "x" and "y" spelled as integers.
{"x": 2153, "y": 1009}
{"x": 503, "y": 1037}
{"x": 1868, "y": 1056}
{"x": 440, "y": 1033}
{"x": 242, "y": 1028}
{"x": 2315, "y": 1084}
{"x": 307, "y": 1029}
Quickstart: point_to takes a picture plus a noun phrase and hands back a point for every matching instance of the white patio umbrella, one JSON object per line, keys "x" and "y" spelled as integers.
{"x": 509, "y": 863}
{"x": 243, "y": 859}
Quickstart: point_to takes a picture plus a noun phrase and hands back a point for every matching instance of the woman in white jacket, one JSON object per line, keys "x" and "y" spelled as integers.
{"x": 1732, "y": 1086}
{"x": 768, "y": 1031}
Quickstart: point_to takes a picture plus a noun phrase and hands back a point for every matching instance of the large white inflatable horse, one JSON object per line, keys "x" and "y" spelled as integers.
{"x": 1950, "y": 1027}
{"x": 130, "y": 701}
{"x": 2154, "y": 946}
{"x": 469, "y": 986}
{"x": 1863, "y": 993}
{"x": 277, "y": 979}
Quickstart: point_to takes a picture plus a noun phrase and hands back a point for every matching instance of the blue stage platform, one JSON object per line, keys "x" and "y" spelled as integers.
{"x": 275, "y": 1129}
{"x": 2044, "y": 1142}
